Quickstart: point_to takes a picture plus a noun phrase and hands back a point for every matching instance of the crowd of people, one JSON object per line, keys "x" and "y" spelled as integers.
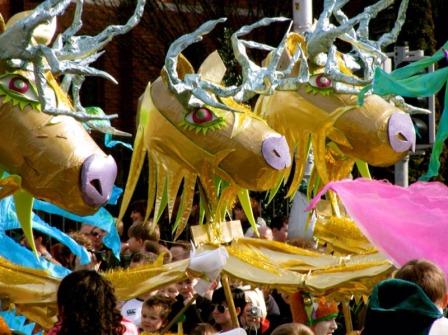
{"x": 412, "y": 301}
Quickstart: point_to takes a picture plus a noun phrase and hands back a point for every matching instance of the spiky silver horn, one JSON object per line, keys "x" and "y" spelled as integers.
{"x": 69, "y": 55}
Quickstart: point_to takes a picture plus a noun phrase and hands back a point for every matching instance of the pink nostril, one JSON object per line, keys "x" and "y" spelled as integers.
{"x": 401, "y": 132}
{"x": 275, "y": 151}
{"x": 97, "y": 179}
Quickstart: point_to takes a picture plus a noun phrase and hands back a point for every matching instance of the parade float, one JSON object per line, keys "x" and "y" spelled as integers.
{"x": 193, "y": 127}
{"x": 201, "y": 136}
{"x": 46, "y": 151}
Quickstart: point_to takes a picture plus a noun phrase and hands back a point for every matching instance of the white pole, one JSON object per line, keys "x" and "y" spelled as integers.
{"x": 298, "y": 224}
{"x": 302, "y": 14}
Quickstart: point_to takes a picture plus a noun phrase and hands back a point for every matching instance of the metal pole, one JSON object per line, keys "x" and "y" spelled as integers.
{"x": 303, "y": 20}
{"x": 401, "y": 168}
{"x": 403, "y": 54}
{"x": 402, "y": 172}
{"x": 302, "y": 13}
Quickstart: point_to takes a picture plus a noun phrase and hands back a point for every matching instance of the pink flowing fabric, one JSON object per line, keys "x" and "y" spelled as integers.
{"x": 404, "y": 223}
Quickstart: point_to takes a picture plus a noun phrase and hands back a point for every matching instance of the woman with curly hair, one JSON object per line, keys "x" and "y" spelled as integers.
{"x": 87, "y": 306}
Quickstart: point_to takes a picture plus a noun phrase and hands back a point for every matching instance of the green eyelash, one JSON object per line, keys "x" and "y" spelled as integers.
{"x": 310, "y": 89}
{"x": 211, "y": 126}
{"x": 16, "y": 100}
{"x": 218, "y": 123}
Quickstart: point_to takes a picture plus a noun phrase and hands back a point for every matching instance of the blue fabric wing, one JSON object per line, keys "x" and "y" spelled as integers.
{"x": 22, "y": 256}
{"x": 101, "y": 219}
{"x": 18, "y": 322}
{"x": 9, "y": 220}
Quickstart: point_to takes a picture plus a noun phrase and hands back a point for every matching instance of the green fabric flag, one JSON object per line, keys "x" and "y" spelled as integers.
{"x": 421, "y": 85}
{"x": 409, "y": 82}
{"x": 441, "y": 136}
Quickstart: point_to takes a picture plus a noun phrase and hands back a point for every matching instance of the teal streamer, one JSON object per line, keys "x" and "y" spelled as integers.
{"x": 109, "y": 143}
{"x": 441, "y": 136}
{"x": 421, "y": 85}
{"x": 362, "y": 94}
{"x": 115, "y": 196}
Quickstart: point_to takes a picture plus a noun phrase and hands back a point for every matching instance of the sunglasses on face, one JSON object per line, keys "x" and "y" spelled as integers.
{"x": 91, "y": 233}
{"x": 94, "y": 233}
{"x": 220, "y": 308}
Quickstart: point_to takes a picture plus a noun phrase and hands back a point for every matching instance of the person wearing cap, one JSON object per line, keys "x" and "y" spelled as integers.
{"x": 412, "y": 303}
{"x": 432, "y": 280}
{"x": 398, "y": 306}
{"x": 253, "y": 315}
{"x": 321, "y": 316}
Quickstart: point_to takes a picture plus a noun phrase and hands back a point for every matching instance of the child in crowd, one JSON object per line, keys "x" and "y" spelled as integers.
{"x": 279, "y": 226}
{"x": 412, "y": 303}
{"x": 87, "y": 305}
{"x": 40, "y": 241}
{"x": 265, "y": 233}
{"x": 221, "y": 313}
{"x": 156, "y": 249}
{"x": 253, "y": 316}
{"x": 323, "y": 317}
{"x": 138, "y": 234}
{"x": 170, "y": 291}
{"x": 138, "y": 211}
{"x": 131, "y": 309}
{"x": 155, "y": 312}
{"x": 203, "y": 329}
{"x": 238, "y": 214}
{"x": 140, "y": 258}
{"x": 180, "y": 250}
{"x": 432, "y": 280}
{"x": 197, "y": 312}
{"x": 292, "y": 329}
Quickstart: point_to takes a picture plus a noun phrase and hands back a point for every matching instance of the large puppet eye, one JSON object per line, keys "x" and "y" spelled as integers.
{"x": 202, "y": 120}
{"x": 18, "y": 84}
{"x": 201, "y": 116}
{"x": 18, "y": 88}
{"x": 320, "y": 81}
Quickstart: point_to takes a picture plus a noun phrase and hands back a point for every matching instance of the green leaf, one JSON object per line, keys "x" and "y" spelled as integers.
{"x": 363, "y": 169}
{"x": 96, "y": 111}
{"x": 273, "y": 191}
{"x": 163, "y": 202}
{"x": 24, "y": 204}
{"x": 244, "y": 198}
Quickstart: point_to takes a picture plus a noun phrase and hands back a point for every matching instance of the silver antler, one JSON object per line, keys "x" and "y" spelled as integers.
{"x": 70, "y": 55}
{"x": 265, "y": 80}
{"x": 321, "y": 40}
{"x": 192, "y": 91}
